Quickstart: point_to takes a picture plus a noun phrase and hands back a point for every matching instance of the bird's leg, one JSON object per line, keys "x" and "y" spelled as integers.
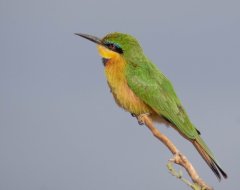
{"x": 140, "y": 118}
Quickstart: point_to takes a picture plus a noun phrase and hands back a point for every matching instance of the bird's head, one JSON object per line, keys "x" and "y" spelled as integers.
{"x": 115, "y": 44}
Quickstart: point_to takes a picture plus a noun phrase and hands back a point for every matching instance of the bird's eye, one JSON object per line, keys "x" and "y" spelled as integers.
{"x": 111, "y": 46}
{"x": 114, "y": 47}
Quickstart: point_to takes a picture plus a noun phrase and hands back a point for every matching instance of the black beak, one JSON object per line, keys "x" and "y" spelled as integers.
{"x": 91, "y": 38}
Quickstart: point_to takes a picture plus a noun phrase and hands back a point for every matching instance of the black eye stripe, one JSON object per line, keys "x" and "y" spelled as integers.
{"x": 114, "y": 47}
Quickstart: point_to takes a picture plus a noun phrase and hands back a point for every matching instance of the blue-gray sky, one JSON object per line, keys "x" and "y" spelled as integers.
{"x": 59, "y": 126}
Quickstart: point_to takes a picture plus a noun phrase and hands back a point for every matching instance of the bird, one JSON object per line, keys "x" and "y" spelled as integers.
{"x": 140, "y": 88}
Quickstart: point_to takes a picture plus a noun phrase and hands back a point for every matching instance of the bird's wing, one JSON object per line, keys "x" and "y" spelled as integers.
{"x": 151, "y": 86}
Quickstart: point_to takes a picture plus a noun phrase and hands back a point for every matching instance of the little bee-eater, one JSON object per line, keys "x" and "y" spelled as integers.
{"x": 139, "y": 87}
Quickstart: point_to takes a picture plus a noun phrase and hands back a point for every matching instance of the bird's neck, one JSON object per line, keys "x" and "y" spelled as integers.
{"x": 114, "y": 66}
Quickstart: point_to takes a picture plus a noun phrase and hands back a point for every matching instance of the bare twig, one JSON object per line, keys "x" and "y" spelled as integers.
{"x": 178, "y": 158}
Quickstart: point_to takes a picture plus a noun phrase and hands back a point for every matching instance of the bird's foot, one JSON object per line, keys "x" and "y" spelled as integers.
{"x": 140, "y": 118}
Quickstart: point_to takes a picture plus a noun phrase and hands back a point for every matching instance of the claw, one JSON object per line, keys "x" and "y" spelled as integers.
{"x": 140, "y": 118}
{"x": 140, "y": 122}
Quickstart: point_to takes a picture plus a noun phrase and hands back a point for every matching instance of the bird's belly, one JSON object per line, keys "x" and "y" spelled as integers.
{"x": 126, "y": 99}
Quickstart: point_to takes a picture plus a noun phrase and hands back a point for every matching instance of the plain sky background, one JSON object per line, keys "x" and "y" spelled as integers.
{"x": 59, "y": 126}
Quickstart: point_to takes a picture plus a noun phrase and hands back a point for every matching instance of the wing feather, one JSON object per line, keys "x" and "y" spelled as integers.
{"x": 149, "y": 84}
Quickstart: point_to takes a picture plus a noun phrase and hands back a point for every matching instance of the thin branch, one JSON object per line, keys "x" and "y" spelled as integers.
{"x": 178, "y": 158}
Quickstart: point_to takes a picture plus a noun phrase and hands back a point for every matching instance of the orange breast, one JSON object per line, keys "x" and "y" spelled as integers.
{"x": 123, "y": 95}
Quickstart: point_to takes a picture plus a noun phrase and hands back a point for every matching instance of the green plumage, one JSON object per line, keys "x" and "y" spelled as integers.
{"x": 150, "y": 85}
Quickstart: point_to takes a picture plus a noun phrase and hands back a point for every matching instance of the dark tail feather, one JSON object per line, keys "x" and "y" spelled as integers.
{"x": 209, "y": 158}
